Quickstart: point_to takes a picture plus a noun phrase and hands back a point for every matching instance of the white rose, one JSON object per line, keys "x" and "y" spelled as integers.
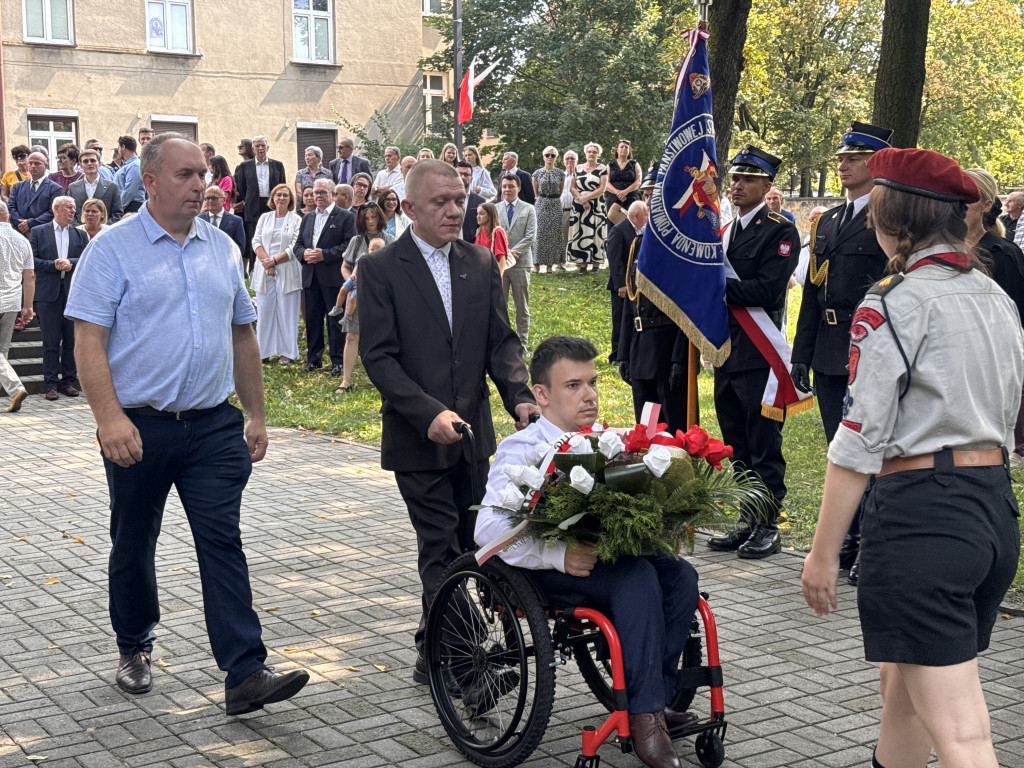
{"x": 540, "y": 450}
{"x": 510, "y": 498}
{"x": 581, "y": 480}
{"x": 532, "y": 478}
{"x": 580, "y": 444}
{"x": 514, "y": 472}
{"x": 658, "y": 460}
{"x": 610, "y": 444}
{"x": 597, "y": 427}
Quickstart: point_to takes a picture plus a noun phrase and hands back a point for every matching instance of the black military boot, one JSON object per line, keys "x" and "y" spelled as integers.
{"x": 731, "y": 541}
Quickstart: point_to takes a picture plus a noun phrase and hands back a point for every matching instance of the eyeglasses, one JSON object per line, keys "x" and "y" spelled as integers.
{"x": 361, "y": 185}
{"x": 625, "y": 141}
{"x": 212, "y": 197}
{"x": 98, "y": 149}
{"x": 87, "y": 160}
{"x": 321, "y": 192}
{"x": 62, "y": 157}
{"x": 552, "y": 154}
{"x": 20, "y": 157}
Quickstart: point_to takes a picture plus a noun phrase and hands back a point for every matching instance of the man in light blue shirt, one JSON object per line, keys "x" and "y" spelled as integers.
{"x": 162, "y": 341}
{"x": 129, "y": 176}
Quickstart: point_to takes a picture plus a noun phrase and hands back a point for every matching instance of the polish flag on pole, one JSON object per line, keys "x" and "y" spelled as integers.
{"x": 469, "y": 83}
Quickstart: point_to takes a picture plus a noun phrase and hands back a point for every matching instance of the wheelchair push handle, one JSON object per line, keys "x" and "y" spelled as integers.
{"x": 467, "y": 434}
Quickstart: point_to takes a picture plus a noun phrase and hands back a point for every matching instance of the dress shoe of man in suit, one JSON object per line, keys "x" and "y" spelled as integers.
{"x": 264, "y": 686}
{"x": 854, "y": 576}
{"x": 311, "y": 366}
{"x": 848, "y": 552}
{"x": 480, "y": 695}
{"x": 764, "y": 541}
{"x": 133, "y": 673}
{"x": 651, "y": 742}
{"x": 337, "y": 370}
{"x": 51, "y": 394}
{"x": 731, "y": 541}
{"x": 677, "y": 721}
{"x": 67, "y": 389}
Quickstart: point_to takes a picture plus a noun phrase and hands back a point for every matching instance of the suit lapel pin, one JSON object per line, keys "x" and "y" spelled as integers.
{"x": 462, "y": 275}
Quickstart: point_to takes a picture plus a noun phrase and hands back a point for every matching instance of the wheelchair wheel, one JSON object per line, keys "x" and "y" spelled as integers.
{"x": 710, "y": 750}
{"x": 489, "y": 658}
{"x": 595, "y": 666}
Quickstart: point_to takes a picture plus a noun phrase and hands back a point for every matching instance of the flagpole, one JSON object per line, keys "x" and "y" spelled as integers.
{"x": 693, "y": 358}
{"x": 457, "y": 45}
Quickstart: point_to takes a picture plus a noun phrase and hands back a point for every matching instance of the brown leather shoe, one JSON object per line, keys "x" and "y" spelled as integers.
{"x": 51, "y": 394}
{"x": 651, "y": 741}
{"x": 676, "y": 721}
{"x": 68, "y": 390}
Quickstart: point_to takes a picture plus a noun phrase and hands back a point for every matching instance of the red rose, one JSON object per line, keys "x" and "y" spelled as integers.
{"x": 696, "y": 441}
{"x": 586, "y": 429}
{"x": 636, "y": 439}
{"x": 717, "y": 450}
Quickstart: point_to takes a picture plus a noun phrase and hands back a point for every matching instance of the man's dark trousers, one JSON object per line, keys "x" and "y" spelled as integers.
{"x": 652, "y": 601}
{"x": 207, "y": 461}
{"x": 439, "y": 504}
{"x": 58, "y": 334}
{"x": 319, "y": 300}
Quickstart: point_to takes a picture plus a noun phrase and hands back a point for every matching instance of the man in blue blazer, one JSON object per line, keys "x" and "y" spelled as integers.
{"x": 56, "y": 247}
{"x": 31, "y": 200}
{"x": 222, "y": 218}
{"x": 323, "y": 238}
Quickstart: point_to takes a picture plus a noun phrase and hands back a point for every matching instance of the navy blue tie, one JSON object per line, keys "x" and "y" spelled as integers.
{"x": 511, "y": 210}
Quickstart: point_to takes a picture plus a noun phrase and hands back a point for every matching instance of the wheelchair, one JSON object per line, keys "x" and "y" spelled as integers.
{"x": 492, "y": 633}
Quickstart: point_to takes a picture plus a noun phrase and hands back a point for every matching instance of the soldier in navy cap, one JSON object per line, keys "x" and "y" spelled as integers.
{"x": 845, "y": 260}
{"x": 762, "y": 247}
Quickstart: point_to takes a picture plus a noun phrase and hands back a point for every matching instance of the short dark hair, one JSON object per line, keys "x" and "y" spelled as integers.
{"x": 20, "y": 149}
{"x": 128, "y": 142}
{"x": 463, "y": 164}
{"x": 70, "y": 150}
{"x": 511, "y": 177}
{"x": 555, "y": 348}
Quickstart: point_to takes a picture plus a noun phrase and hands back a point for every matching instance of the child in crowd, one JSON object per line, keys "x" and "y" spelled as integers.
{"x": 346, "y": 301}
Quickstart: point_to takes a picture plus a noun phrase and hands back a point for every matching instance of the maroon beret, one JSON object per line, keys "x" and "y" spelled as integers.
{"x": 923, "y": 172}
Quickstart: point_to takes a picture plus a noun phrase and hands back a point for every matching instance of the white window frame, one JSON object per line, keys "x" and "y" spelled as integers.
{"x": 428, "y": 93}
{"x": 428, "y": 11}
{"x": 54, "y": 140}
{"x": 311, "y": 16}
{"x": 47, "y": 37}
{"x": 190, "y": 33}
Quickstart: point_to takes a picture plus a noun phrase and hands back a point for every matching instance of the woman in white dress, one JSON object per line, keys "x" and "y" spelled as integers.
{"x": 277, "y": 277}
{"x": 482, "y": 183}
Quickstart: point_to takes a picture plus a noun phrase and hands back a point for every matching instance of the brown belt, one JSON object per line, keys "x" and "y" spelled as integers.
{"x": 987, "y": 458}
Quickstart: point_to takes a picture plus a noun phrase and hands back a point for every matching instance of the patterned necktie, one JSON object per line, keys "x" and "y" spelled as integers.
{"x": 511, "y": 210}
{"x": 344, "y": 170}
{"x": 439, "y": 268}
{"x": 35, "y": 185}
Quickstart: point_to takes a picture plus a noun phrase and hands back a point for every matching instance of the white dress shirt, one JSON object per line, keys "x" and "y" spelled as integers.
{"x": 263, "y": 177}
{"x": 61, "y": 235}
{"x": 320, "y": 222}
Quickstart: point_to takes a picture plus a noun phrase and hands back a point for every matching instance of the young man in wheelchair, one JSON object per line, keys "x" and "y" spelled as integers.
{"x": 651, "y": 600}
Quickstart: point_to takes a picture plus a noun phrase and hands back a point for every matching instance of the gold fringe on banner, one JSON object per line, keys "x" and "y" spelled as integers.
{"x": 780, "y": 414}
{"x": 717, "y": 355}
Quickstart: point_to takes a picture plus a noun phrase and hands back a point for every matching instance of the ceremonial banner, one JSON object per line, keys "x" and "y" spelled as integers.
{"x": 681, "y": 263}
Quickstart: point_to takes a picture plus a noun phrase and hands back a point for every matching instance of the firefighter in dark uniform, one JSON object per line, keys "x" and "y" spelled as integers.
{"x": 652, "y": 350}
{"x": 845, "y": 261}
{"x": 762, "y": 247}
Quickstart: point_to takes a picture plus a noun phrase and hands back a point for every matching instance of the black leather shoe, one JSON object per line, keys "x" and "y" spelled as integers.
{"x": 337, "y": 370}
{"x": 264, "y": 686}
{"x": 764, "y": 541}
{"x": 482, "y": 692}
{"x": 730, "y": 541}
{"x": 854, "y": 575}
{"x": 133, "y": 673}
{"x": 311, "y": 366}
{"x": 419, "y": 675}
{"x": 848, "y": 552}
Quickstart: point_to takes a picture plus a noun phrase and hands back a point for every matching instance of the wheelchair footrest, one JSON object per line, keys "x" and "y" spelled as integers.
{"x": 582, "y": 761}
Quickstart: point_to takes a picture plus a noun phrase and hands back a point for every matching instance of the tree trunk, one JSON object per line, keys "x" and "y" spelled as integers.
{"x": 823, "y": 181}
{"x": 805, "y": 182}
{"x": 727, "y": 22}
{"x": 899, "y": 86}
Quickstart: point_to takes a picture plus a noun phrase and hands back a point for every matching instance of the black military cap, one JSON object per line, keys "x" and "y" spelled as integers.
{"x": 752, "y": 161}
{"x": 863, "y": 138}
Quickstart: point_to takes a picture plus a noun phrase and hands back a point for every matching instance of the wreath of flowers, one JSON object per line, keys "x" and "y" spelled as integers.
{"x": 627, "y": 492}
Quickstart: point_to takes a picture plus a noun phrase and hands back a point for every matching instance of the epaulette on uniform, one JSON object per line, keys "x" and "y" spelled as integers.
{"x": 886, "y": 284}
{"x": 776, "y": 217}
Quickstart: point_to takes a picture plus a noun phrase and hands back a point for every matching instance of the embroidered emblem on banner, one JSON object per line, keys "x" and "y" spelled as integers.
{"x": 699, "y": 84}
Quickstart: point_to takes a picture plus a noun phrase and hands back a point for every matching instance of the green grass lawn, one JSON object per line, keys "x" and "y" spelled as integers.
{"x": 565, "y": 303}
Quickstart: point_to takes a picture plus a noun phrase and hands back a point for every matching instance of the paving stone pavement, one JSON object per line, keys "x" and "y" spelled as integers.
{"x": 332, "y": 561}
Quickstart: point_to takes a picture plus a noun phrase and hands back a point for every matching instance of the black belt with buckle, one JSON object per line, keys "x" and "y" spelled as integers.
{"x": 837, "y": 316}
{"x": 643, "y": 323}
{"x": 195, "y": 413}
{"x": 550, "y": 197}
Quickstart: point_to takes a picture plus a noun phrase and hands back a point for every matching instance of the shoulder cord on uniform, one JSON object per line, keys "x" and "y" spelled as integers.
{"x": 816, "y": 274}
{"x": 899, "y": 346}
{"x": 632, "y": 292}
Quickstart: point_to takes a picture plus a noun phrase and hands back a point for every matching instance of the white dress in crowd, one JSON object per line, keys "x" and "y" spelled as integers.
{"x": 277, "y": 298}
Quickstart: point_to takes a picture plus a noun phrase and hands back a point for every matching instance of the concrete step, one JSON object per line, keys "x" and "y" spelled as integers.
{"x": 26, "y": 366}
{"x": 33, "y": 384}
{"x": 31, "y": 335}
{"x": 20, "y": 350}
